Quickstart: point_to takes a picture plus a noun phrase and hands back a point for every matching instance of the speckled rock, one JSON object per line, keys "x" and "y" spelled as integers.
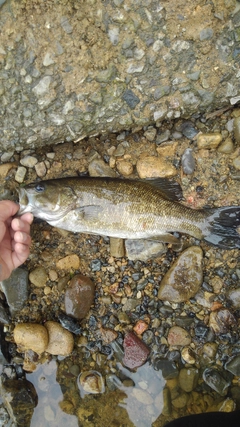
{"x": 184, "y": 278}
{"x": 31, "y": 336}
{"x": 154, "y": 167}
{"x": 234, "y": 297}
{"x": 178, "y": 336}
{"x": 209, "y": 140}
{"x": 79, "y": 296}
{"x": 221, "y": 321}
{"x": 135, "y": 351}
{"x": 124, "y": 167}
{"x": 143, "y": 249}
{"x": 70, "y": 262}
{"x": 61, "y": 341}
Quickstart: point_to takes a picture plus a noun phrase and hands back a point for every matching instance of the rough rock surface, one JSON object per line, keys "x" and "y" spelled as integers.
{"x": 71, "y": 69}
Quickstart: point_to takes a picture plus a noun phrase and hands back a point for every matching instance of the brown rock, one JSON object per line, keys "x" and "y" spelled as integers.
{"x": 38, "y": 277}
{"x": 124, "y": 167}
{"x": 61, "y": 341}
{"x": 31, "y": 336}
{"x": 79, "y": 296}
{"x": 178, "y": 336}
{"x": 5, "y": 168}
{"x": 209, "y": 140}
{"x": 117, "y": 247}
{"x": 155, "y": 167}
{"x": 184, "y": 278}
{"x": 70, "y": 262}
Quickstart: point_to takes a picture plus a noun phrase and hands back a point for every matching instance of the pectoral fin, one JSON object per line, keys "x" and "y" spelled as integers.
{"x": 90, "y": 212}
{"x": 168, "y": 238}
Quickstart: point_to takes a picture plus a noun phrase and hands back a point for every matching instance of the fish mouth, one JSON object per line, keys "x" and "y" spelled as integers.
{"x": 23, "y": 202}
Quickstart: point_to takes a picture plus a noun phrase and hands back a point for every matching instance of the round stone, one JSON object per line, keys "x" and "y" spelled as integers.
{"x": 61, "y": 341}
{"x": 31, "y": 336}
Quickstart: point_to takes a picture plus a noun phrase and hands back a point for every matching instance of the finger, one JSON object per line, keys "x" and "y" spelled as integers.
{"x": 7, "y": 209}
{"x": 28, "y": 217}
{"x": 20, "y": 254}
{"x": 22, "y": 224}
{"x": 21, "y": 237}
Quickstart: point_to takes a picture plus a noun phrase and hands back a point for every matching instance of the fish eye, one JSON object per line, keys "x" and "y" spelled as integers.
{"x": 39, "y": 188}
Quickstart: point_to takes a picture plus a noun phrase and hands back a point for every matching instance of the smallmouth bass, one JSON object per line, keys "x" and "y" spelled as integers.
{"x": 129, "y": 209}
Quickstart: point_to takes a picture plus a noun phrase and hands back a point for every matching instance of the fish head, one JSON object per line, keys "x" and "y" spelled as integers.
{"x": 47, "y": 200}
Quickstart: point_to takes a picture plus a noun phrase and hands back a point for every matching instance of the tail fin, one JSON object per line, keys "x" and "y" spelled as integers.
{"x": 224, "y": 227}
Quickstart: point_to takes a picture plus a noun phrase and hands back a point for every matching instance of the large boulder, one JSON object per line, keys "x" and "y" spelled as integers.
{"x": 70, "y": 69}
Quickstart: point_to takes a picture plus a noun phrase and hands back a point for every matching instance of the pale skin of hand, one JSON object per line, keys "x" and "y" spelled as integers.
{"x": 15, "y": 238}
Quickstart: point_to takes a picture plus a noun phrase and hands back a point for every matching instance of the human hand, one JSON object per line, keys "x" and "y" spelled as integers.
{"x": 15, "y": 238}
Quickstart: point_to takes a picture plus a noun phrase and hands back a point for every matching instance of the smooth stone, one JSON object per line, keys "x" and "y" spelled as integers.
{"x": 143, "y": 249}
{"x": 188, "y": 379}
{"x": 233, "y": 365}
{"x": 188, "y": 161}
{"x": 15, "y": 289}
{"x": 226, "y": 147}
{"x": 20, "y": 398}
{"x": 167, "y": 368}
{"x": 234, "y": 297}
{"x": 135, "y": 351}
{"x": 178, "y": 336}
{"x": 209, "y": 140}
{"x": 38, "y": 277}
{"x": 61, "y": 341}
{"x": 20, "y": 174}
{"x": 40, "y": 169}
{"x": 150, "y": 134}
{"x": 28, "y": 161}
{"x": 221, "y": 321}
{"x": 99, "y": 168}
{"x": 117, "y": 248}
{"x": 236, "y": 163}
{"x": 31, "y": 336}
{"x": 236, "y": 129}
{"x": 214, "y": 379}
{"x": 184, "y": 278}
{"x": 70, "y": 262}
{"x": 155, "y": 167}
{"x": 79, "y": 296}
{"x": 124, "y": 167}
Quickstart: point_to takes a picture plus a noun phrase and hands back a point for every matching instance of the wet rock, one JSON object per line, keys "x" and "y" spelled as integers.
{"x": 168, "y": 368}
{"x": 99, "y": 168}
{"x": 79, "y": 296}
{"x": 184, "y": 278}
{"x": 209, "y": 140}
{"x": 178, "y": 336}
{"x": 188, "y": 161}
{"x": 107, "y": 335}
{"x": 15, "y": 289}
{"x": 135, "y": 351}
{"x": 90, "y": 382}
{"x": 38, "y": 277}
{"x": 69, "y": 323}
{"x": 188, "y": 356}
{"x": 154, "y": 167}
{"x": 236, "y": 129}
{"x": 214, "y": 379}
{"x": 209, "y": 352}
{"x": 143, "y": 249}
{"x": 117, "y": 247}
{"x": 70, "y": 262}
{"x": 31, "y": 336}
{"x": 61, "y": 341}
{"x": 188, "y": 379}
{"x": 140, "y": 327}
{"x": 20, "y": 399}
{"x": 233, "y": 365}
{"x": 4, "y": 318}
{"x": 222, "y": 321}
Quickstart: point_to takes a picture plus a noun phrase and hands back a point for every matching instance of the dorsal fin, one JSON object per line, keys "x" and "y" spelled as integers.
{"x": 169, "y": 189}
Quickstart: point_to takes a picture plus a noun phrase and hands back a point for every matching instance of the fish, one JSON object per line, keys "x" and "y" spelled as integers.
{"x": 128, "y": 209}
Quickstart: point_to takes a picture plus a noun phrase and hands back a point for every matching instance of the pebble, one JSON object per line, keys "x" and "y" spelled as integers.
{"x": 40, "y": 169}
{"x": 234, "y": 297}
{"x": 135, "y": 351}
{"x": 28, "y": 161}
{"x": 208, "y": 140}
{"x": 31, "y": 336}
{"x": 124, "y": 167}
{"x": 188, "y": 356}
{"x": 178, "y": 336}
{"x": 38, "y": 277}
{"x": 117, "y": 248}
{"x": 79, "y": 296}
{"x": 5, "y": 168}
{"x": 188, "y": 161}
{"x": 140, "y": 327}
{"x": 61, "y": 341}
{"x": 236, "y": 129}
{"x": 209, "y": 352}
{"x": 5, "y": 157}
{"x": 214, "y": 379}
{"x": 154, "y": 167}
{"x": 221, "y": 321}
{"x": 70, "y": 262}
{"x": 143, "y": 249}
{"x": 188, "y": 129}
{"x": 150, "y": 134}
{"x": 15, "y": 289}
{"x": 99, "y": 168}
{"x": 233, "y": 365}
{"x": 20, "y": 174}
{"x": 226, "y": 147}
{"x": 184, "y": 278}
{"x": 188, "y": 379}
{"x": 236, "y": 163}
